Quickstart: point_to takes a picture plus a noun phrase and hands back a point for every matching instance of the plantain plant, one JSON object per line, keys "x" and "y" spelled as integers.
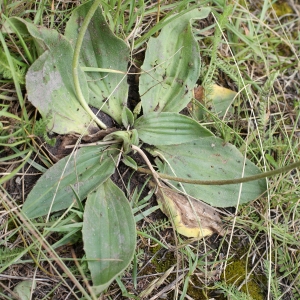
{"x": 87, "y": 66}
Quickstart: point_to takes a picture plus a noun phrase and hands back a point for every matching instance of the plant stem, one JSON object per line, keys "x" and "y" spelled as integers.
{"x": 144, "y": 156}
{"x": 77, "y": 49}
{"x": 224, "y": 182}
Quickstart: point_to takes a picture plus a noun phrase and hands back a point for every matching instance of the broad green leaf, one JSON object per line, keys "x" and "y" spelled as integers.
{"x": 129, "y": 162}
{"x": 20, "y": 26}
{"x": 124, "y": 136}
{"x": 101, "y": 49}
{"x": 23, "y": 289}
{"x": 108, "y": 234}
{"x": 168, "y": 129}
{"x": 171, "y": 66}
{"x": 134, "y": 139}
{"x": 84, "y": 171}
{"x": 127, "y": 117}
{"x": 51, "y": 91}
{"x": 49, "y": 83}
{"x": 210, "y": 159}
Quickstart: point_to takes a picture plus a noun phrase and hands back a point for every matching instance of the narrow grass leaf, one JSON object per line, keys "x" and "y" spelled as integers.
{"x": 145, "y": 213}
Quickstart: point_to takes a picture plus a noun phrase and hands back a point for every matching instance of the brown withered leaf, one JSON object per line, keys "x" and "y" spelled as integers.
{"x": 190, "y": 217}
{"x": 199, "y": 93}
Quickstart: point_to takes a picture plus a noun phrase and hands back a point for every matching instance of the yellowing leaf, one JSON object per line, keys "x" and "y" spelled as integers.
{"x": 220, "y": 94}
{"x": 189, "y": 216}
{"x": 218, "y": 100}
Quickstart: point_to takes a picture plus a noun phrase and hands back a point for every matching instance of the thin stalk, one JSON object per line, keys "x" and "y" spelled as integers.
{"x": 227, "y": 181}
{"x": 75, "y": 63}
{"x": 144, "y": 156}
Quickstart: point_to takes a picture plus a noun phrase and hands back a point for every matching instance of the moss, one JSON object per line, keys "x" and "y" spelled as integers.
{"x": 243, "y": 3}
{"x": 11, "y": 226}
{"x": 196, "y": 291}
{"x": 282, "y": 8}
{"x": 284, "y": 50}
{"x": 162, "y": 261}
{"x": 236, "y": 272}
{"x": 253, "y": 289}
